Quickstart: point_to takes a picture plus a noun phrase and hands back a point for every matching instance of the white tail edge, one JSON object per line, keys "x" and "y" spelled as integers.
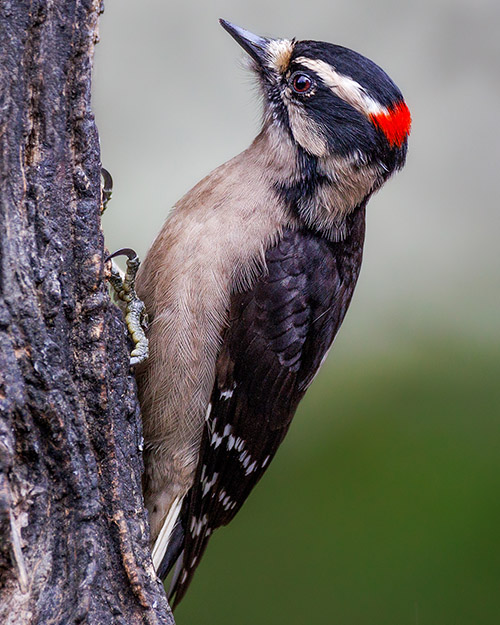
{"x": 161, "y": 543}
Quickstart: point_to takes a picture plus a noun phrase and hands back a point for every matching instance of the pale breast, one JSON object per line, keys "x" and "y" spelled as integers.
{"x": 212, "y": 245}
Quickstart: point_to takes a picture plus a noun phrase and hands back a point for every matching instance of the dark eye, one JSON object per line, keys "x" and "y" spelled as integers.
{"x": 301, "y": 83}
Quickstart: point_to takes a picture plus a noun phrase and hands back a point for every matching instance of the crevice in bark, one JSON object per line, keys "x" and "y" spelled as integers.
{"x": 74, "y": 542}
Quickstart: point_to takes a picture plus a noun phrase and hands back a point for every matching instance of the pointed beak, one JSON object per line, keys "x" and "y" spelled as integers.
{"x": 253, "y": 44}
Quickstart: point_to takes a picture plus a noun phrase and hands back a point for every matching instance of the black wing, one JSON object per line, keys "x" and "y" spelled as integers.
{"x": 278, "y": 335}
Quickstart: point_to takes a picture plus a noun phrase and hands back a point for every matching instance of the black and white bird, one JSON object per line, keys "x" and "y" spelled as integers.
{"x": 249, "y": 281}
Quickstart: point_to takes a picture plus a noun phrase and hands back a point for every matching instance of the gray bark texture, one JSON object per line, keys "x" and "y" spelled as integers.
{"x": 74, "y": 538}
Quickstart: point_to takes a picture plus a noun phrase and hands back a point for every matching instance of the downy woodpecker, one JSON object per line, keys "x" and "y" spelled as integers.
{"x": 249, "y": 280}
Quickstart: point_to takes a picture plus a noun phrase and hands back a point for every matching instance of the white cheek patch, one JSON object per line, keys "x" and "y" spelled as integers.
{"x": 306, "y": 131}
{"x": 344, "y": 87}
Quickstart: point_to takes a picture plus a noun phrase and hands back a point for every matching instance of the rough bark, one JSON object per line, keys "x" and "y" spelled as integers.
{"x": 74, "y": 535}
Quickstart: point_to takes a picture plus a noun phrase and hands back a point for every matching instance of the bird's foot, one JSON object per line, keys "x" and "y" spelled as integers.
{"x": 124, "y": 286}
{"x": 106, "y": 188}
{"x": 135, "y": 312}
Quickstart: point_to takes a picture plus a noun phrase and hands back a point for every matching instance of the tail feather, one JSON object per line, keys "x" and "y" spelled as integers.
{"x": 162, "y": 541}
{"x": 175, "y": 578}
{"x": 174, "y": 549}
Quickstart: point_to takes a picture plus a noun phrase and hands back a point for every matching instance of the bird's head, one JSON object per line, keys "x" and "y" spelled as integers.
{"x": 332, "y": 101}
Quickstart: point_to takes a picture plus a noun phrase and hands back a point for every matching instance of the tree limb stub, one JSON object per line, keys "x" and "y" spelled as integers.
{"x": 74, "y": 544}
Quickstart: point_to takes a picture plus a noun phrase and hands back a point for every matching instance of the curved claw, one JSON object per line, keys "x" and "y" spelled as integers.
{"x": 124, "y": 251}
{"x": 107, "y": 188}
{"x": 135, "y": 313}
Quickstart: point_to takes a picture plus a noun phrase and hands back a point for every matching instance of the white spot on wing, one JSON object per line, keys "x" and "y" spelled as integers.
{"x": 209, "y": 410}
{"x": 197, "y": 526}
{"x": 216, "y": 440}
{"x": 208, "y": 485}
{"x": 245, "y": 459}
{"x": 251, "y": 468}
{"x": 226, "y": 503}
{"x": 225, "y": 500}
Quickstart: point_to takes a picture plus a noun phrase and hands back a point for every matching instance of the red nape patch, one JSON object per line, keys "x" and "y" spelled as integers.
{"x": 395, "y": 124}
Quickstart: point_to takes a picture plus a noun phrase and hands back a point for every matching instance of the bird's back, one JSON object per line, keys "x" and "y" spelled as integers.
{"x": 279, "y": 332}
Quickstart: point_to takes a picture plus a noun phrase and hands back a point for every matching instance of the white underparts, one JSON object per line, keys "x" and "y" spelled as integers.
{"x": 161, "y": 543}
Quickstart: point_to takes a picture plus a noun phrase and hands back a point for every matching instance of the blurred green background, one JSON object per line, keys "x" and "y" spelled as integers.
{"x": 382, "y": 506}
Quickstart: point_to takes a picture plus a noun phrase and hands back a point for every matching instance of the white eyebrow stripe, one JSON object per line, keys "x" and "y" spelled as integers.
{"x": 344, "y": 87}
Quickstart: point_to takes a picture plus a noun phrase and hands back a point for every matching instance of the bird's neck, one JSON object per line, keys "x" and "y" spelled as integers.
{"x": 319, "y": 192}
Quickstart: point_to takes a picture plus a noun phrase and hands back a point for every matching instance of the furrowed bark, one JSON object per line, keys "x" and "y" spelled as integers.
{"x": 74, "y": 539}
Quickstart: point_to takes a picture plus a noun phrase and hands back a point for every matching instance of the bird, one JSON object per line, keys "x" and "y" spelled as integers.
{"x": 249, "y": 280}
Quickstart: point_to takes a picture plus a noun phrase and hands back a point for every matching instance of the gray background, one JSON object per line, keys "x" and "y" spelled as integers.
{"x": 382, "y": 506}
{"x": 172, "y": 102}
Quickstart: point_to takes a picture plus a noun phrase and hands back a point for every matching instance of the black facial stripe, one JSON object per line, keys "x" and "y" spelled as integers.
{"x": 353, "y": 65}
{"x": 297, "y": 67}
{"x": 347, "y": 129}
{"x": 305, "y": 185}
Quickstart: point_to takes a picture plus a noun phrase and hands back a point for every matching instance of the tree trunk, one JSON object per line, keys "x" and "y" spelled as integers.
{"x": 74, "y": 535}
